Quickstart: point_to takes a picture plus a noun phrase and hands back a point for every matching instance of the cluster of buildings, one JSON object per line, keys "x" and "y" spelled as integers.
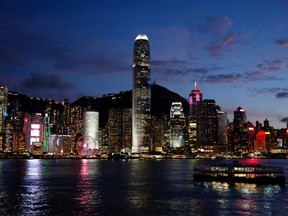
{"x": 59, "y": 128}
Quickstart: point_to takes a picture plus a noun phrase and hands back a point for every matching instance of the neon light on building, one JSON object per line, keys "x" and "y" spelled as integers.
{"x": 34, "y": 130}
{"x": 46, "y": 124}
{"x": 195, "y": 97}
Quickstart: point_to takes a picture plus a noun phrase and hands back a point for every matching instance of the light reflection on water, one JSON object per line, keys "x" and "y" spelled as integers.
{"x": 33, "y": 198}
{"x": 127, "y": 187}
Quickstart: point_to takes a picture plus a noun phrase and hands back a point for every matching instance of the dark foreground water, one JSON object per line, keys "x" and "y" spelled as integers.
{"x": 129, "y": 187}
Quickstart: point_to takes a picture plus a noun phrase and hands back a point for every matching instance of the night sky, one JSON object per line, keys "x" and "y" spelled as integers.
{"x": 237, "y": 51}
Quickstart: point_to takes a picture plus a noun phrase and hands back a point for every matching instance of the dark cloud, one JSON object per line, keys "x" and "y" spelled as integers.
{"x": 284, "y": 120}
{"x": 179, "y": 71}
{"x": 174, "y": 69}
{"x": 223, "y": 78}
{"x": 272, "y": 65}
{"x": 237, "y": 78}
{"x": 26, "y": 48}
{"x": 42, "y": 81}
{"x": 281, "y": 95}
{"x": 216, "y": 25}
{"x": 211, "y": 33}
{"x": 282, "y": 42}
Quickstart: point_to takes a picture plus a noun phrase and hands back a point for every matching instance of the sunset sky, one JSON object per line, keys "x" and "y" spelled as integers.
{"x": 237, "y": 51}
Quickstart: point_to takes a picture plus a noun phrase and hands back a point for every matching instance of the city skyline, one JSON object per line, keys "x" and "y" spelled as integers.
{"x": 236, "y": 51}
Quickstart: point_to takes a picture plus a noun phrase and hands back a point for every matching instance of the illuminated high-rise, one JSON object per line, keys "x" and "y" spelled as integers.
{"x": 119, "y": 129}
{"x": 177, "y": 124}
{"x": 141, "y": 95}
{"x": 207, "y": 123}
{"x": 195, "y": 97}
{"x": 240, "y": 141}
{"x": 33, "y": 127}
{"x": 91, "y": 130}
{"x": 3, "y": 113}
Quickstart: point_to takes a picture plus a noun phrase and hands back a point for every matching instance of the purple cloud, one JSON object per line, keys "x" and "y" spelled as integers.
{"x": 179, "y": 71}
{"x": 42, "y": 81}
{"x": 229, "y": 38}
{"x": 282, "y": 42}
{"x": 216, "y": 25}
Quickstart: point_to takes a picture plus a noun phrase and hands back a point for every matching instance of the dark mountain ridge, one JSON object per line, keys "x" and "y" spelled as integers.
{"x": 161, "y": 100}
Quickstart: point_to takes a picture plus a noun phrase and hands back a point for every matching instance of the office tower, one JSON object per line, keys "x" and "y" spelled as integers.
{"x": 177, "y": 124}
{"x": 33, "y": 127}
{"x": 65, "y": 115}
{"x": 91, "y": 130}
{"x": 119, "y": 129}
{"x": 207, "y": 123}
{"x": 3, "y": 114}
{"x": 239, "y": 116}
{"x": 141, "y": 96}
{"x": 159, "y": 126}
{"x": 195, "y": 97}
{"x": 222, "y": 128}
{"x": 240, "y": 142}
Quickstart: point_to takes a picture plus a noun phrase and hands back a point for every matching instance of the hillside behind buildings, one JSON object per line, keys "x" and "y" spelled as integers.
{"x": 161, "y": 100}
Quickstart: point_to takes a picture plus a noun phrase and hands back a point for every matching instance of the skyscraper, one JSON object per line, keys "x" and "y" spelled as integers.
{"x": 141, "y": 95}
{"x": 195, "y": 97}
{"x": 91, "y": 129}
{"x": 3, "y": 113}
{"x": 177, "y": 124}
{"x": 240, "y": 142}
{"x": 207, "y": 123}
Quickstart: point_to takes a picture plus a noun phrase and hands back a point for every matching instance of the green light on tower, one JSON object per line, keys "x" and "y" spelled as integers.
{"x": 46, "y": 121}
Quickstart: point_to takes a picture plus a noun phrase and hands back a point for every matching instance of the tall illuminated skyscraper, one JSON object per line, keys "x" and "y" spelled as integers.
{"x": 3, "y": 113}
{"x": 91, "y": 129}
{"x": 141, "y": 95}
{"x": 195, "y": 97}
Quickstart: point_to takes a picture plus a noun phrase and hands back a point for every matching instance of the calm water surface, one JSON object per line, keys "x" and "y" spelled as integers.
{"x": 129, "y": 187}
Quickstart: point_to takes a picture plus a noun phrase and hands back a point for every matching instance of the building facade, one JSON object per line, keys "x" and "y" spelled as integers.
{"x": 33, "y": 127}
{"x": 177, "y": 125}
{"x": 91, "y": 130}
{"x": 119, "y": 129}
{"x": 141, "y": 96}
{"x": 207, "y": 123}
{"x": 195, "y": 97}
{"x": 3, "y": 114}
{"x": 240, "y": 139}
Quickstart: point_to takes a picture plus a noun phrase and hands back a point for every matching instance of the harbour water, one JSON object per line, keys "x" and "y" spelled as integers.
{"x": 130, "y": 187}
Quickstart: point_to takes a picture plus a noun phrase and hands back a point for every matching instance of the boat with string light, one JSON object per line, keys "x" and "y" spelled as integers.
{"x": 242, "y": 173}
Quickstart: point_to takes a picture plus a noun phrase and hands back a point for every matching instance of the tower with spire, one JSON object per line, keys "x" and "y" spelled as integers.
{"x": 195, "y": 97}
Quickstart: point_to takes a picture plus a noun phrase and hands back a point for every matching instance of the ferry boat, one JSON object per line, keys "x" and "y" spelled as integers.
{"x": 245, "y": 173}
